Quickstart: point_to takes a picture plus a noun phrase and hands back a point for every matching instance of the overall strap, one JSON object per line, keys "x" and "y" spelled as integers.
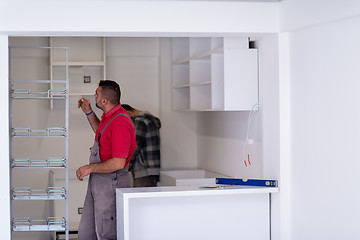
{"x": 123, "y": 114}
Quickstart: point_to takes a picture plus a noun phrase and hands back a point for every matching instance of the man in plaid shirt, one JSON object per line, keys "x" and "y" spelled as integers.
{"x": 145, "y": 162}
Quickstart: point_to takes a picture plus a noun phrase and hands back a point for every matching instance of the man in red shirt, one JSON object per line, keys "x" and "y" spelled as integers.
{"x": 114, "y": 144}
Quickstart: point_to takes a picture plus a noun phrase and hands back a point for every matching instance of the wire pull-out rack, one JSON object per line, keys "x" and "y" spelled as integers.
{"x": 38, "y": 90}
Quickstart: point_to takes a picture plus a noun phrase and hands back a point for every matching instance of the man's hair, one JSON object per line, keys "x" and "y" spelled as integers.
{"x": 110, "y": 90}
{"x": 127, "y": 107}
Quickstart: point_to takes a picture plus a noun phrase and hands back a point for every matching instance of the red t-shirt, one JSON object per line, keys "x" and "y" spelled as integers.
{"x": 118, "y": 139}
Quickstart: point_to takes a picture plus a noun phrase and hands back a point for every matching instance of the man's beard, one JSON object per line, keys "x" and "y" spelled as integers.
{"x": 98, "y": 106}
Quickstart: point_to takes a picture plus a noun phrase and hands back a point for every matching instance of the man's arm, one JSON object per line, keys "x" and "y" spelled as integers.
{"x": 85, "y": 105}
{"x": 109, "y": 166}
{"x": 140, "y": 131}
{"x": 94, "y": 121}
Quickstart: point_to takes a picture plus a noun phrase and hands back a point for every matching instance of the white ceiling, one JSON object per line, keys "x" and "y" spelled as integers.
{"x": 212, "y": 0}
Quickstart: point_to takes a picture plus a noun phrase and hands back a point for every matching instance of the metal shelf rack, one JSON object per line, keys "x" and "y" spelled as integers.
{"x": 51, "y": 162}
{"x": 51, "y": 193}
{"x": 49, "y": 132}
{"x": 28, "y": 94}
{"x": 49, "y": 224}
{"x": 52, "y": 223}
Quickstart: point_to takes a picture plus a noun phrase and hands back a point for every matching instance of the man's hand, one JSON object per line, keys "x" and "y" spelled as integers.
{"x": 84, "y": 104}
{"x": 83, "y": 172}
{"x": 109, "y": 166}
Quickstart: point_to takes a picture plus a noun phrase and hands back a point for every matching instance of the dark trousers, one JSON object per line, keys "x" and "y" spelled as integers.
{"x": 149, "y": 181}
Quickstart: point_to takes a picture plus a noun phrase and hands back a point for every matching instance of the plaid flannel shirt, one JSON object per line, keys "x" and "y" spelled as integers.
{"x": 146, "y": 158}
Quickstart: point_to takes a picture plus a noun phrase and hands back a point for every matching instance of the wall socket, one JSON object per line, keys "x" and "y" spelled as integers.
{"x": 80, "y": 210}
{"x": 87, "y": 79}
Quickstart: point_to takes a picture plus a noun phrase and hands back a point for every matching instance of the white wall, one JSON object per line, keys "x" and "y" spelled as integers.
{"x": 323, "y": 53}
{"x": 325, "y": 131}
{"x": 4, "y": 128}
{"x": 221, "y": 143}
{"x": 221, "y": 135}
{"x": 134, "y": 64}
{"x": 178, "y": 130}
{"x": 297, "y": 14}
{"x": 269, "y": 100}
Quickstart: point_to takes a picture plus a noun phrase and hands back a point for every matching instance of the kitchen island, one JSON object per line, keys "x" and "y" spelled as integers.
{"x": 193, "y": 212}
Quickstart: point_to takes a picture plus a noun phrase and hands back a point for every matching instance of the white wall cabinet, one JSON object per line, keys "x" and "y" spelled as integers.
{"x": 214, "y": 74}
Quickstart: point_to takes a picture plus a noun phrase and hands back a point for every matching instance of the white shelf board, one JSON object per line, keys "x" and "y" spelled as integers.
{"x": 81, "y": 94}
{"x": 78, "y": 64}
{"x": 182, "y": 86}
{"x": 38, "y": 81}
{"x": 192, "y": 84}
{"x": 201, "y": 83}
{"x": 199, "y": 56}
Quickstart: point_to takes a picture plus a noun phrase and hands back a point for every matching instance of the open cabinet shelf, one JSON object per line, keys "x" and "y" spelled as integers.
{"x": 214, "y": 74}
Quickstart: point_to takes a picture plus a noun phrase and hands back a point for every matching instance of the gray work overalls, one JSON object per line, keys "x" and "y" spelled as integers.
{"x": 98, "y": 221}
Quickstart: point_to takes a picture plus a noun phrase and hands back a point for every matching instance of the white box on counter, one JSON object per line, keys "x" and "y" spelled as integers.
{"x": 196, "y": 177}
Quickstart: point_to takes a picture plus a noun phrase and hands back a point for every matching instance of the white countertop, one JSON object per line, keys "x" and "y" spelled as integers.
{"x": 173, "y": 191}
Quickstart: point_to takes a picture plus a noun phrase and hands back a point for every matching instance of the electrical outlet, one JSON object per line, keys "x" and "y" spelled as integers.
{"x": 80, "y": 210}
{"x": 87, "y": 79}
